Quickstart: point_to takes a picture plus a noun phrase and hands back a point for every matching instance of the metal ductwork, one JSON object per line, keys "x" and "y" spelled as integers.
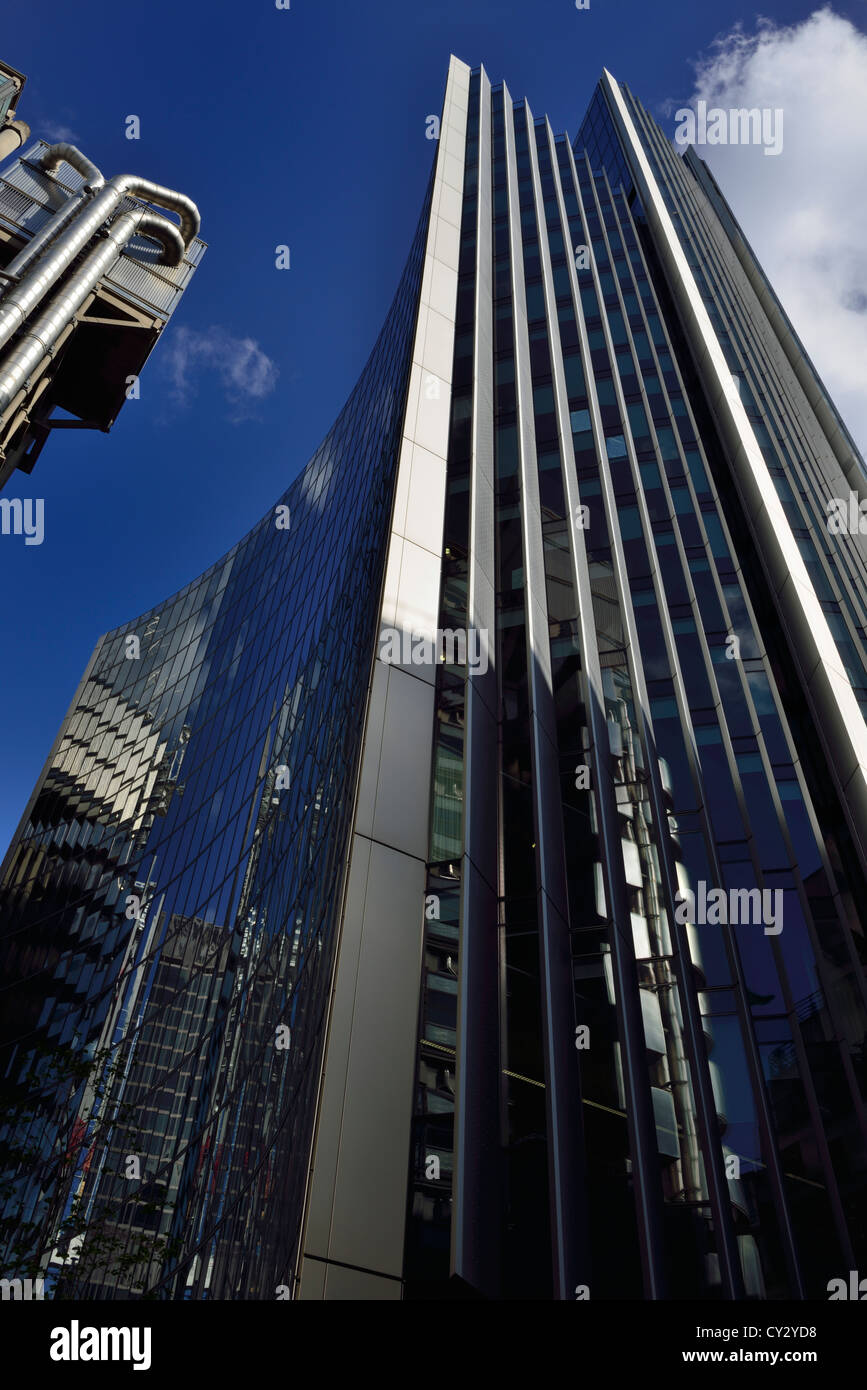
{"x": 38, "y": 341}
{"x": 50, "y": 161}
{"x": 87, "y": 219}
{"x": 62, "y": 153}
{"x": 78, "y": 318}
{"x": 130, "y": 186}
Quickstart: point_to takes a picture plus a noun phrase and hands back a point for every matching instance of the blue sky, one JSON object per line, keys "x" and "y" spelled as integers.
{"x": 304, "y": 127}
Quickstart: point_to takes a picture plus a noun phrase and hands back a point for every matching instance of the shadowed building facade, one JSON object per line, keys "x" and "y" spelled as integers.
{"x": 340, "y": 970}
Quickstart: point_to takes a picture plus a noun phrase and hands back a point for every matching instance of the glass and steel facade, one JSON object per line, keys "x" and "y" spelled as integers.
{"x": 539, "y": 977}
{"x": 171, "y": 898}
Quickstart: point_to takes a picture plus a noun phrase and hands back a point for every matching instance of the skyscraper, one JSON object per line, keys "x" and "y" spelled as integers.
{"x": 456, "y": 890}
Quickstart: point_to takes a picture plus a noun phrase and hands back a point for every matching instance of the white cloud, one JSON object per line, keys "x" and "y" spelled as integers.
{"x": 245, "y": 372}
{"x": 804, "y": 211}
{"x": 51, "y": 131}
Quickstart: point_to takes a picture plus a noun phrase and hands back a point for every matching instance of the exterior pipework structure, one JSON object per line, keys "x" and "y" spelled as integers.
{"x": 65, "y": 276}
{"x": 342, "y": 965}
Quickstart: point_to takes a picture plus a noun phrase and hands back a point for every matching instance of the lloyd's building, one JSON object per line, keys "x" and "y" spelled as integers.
{"x": 459, "y": 889}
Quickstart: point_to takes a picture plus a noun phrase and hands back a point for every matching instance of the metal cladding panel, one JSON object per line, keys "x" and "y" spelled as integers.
{"x": 146, "y": 255}
{"x": 368, "y": 1074}
{"x": 369, "y": 1204}
{"x": 478, "y": 1161}
{"x": 330, "y": 1118}
{"x": 19, "y": 208}
{"x": 135, "y": 279}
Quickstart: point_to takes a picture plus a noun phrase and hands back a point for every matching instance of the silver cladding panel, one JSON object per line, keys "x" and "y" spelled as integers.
{"x": 356, "y": 1201}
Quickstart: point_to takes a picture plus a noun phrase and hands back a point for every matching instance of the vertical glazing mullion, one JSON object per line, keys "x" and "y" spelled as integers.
{"x": 687, "y": 989}
{"x": 746, "y": 691}
{"x": 730, "y": 1267}
{"x": 555, "y": 947}
{"x": 756, "y": 365}
{"x": 830, "y": 1000}
{"x": 704, "y": 233}
{"x": 766, "y": 1122}
{"x": 570, "y": 1136}
{"x": 641, "y": 1123}
{"x": 695, "y": 1091}
{"x": 477, "y": 1188}
{"x": 760, "y": 370}
{"x": 779, "y": 960}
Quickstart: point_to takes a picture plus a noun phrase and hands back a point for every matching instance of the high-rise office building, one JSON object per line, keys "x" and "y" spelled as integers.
{"x": 457, "y": 890}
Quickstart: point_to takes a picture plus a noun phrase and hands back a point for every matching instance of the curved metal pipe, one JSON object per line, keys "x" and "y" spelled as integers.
{"x": 43, "y": 334}
{"x": 158, "y": 228}
{"x": 51, "y": 159}
{"x": 19, "y": 302}
{"x": 131, "y": 186}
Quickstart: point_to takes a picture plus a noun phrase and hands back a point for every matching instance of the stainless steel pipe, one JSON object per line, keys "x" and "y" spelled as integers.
{"x": 50, "y": 160}
{"x": 38, "y": 341}
{"x": 19, "y": 302}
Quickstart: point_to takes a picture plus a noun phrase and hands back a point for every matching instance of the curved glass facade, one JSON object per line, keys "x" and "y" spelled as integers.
{"x": 170, "y": 904}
